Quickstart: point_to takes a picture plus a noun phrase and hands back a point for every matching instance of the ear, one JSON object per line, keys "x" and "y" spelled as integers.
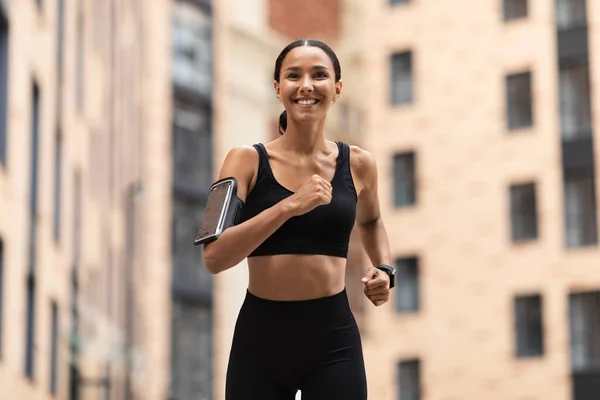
{"x": 338, "y": 91}
{"x": 277, "y": 90}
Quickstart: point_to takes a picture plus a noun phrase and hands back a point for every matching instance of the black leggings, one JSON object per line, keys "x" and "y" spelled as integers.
{"x": 280, "y": 347}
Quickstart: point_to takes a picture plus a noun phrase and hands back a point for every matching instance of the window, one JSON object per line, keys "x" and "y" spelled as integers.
{"x": 74, "y": 372}
{"x": 60, "y": 14}
{"x": 30, "y": 330}
{"x": 33, "y": 204}
{"x": 34, "y": 174}
{"x": 79, "y": 67}
{"x": 77, "y": 217}
{"x": 575, "y": 105}
{"x": 409, "y": 380}
{"x": 580, "y": 210}
{"x": 192, "y": 309}
{"x": 404, "y": 179}
{"x": 191, "y": 356}
{"x": 54, "y": 349}
{"x": 523, "y": 212}
{"x": 515, "y": 9}
{"x": 1, "y": 294}
{"x": 584, "y": 310}
{"x": 570, "y": 14}
{"x": 57, "y": 184}
{"x": 402, "y": 78}
{"x": 3, "y": 87}
{"x": 407, "y": 286}
{"x": 192, "y": 148}
{"x": 192, "y": 52}
{"x": 528, "y": 326}
{"x": 189, "y": 272}
{"x": 519, "y": 100}
{"x": 59, "y": 43}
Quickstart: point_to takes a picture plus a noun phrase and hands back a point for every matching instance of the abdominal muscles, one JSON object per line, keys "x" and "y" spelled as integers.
{"x": 296, "y": 277}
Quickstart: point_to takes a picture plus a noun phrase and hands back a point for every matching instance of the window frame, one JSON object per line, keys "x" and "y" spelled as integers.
{"x": 54, "y": 348}
{"x": 404, "y": 163}
{"x": 508, "y": 10}
{"x": 407, "y": 276}
{"x": 523, "y": 328}
{"x": 403, "y": 78}
{"x": 587, "y": 219}
{"x": 522, "y": 212}
{"x": 4, "y": 83}
{"x": 409, "y": 369}
{"x": 517, "y": 118}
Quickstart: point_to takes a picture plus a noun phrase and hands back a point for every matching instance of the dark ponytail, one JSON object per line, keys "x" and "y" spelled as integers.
{"x": 279, "y": 62}
{"x": 282, "y": 122}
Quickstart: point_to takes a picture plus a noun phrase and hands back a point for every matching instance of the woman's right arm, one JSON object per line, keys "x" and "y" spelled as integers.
{"x": 238, "y": 241}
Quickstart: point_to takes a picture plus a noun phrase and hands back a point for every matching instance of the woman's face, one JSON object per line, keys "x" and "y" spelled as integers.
{"x": 307, "y": 86}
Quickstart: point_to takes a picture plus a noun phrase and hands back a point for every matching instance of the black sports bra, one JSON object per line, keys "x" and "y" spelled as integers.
{"x": 324, "y": 230}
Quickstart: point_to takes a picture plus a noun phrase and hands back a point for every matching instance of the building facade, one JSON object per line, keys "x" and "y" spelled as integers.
{"x": 192, "y": 174}
{"x": 85, "y": 199}
{"x": 483, "y": 124}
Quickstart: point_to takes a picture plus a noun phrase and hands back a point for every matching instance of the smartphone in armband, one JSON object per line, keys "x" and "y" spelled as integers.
{"x": 223, "y": 210}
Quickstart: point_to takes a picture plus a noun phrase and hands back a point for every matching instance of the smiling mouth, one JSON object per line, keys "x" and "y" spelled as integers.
{"x": 306, "y": 102}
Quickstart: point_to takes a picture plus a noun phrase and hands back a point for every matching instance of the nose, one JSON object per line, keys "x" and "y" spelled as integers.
{"x": 306, "y": 85}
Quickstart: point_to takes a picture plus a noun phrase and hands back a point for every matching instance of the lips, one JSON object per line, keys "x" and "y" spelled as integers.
{"x": 306, "y": 102}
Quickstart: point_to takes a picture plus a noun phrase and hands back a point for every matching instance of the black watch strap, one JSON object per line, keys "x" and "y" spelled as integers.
{"x": 391, "y": 271}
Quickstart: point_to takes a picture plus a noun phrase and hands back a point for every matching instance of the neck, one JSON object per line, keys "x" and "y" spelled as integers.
{"x": 305, "y": 138}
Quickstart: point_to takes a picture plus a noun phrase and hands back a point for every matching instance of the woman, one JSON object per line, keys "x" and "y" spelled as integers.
{"x": 302, "y": 195}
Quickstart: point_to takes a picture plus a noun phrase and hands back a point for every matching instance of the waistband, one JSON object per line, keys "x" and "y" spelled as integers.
{"x": 313, "y": 309}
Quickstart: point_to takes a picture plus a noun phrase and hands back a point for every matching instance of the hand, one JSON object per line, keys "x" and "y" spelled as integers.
{"x": 377, "y": 286}
{"x": 316, "y": 192}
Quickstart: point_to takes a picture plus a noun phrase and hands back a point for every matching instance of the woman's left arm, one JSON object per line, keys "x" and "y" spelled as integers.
{"x": 370, "y": 226}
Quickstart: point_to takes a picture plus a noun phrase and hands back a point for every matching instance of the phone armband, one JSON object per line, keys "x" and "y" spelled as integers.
{"x": 223, "y": 210}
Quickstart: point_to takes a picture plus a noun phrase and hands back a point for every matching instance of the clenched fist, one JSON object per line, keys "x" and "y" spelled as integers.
{"x": 377, "y": 286}
{"x": 316, "y": 192}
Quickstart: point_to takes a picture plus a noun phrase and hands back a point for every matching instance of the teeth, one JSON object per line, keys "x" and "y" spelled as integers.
{"x": 307, "y": 102}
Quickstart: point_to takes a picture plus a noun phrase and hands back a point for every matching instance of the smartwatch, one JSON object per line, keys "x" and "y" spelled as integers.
{"x": 391, "y": 271}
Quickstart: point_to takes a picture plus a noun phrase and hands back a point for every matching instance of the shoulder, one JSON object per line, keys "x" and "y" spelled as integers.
{"x": 240, "y": 162}
{"x": 362, "y": 161}
{"x": 241, "y": 154}
{"x": 364, "y": 168}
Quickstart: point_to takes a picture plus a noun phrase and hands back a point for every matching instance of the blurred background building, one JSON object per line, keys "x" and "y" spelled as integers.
{"x": 85, "y": 194}
{"x": 116, "y": 115}
{"x": 483, "y": 123}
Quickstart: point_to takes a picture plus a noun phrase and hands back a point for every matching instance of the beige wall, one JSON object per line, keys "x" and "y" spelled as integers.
{"x": 465, "y": 161}
{"x": 140, "y": 153}
{"x": 241, "y": 118}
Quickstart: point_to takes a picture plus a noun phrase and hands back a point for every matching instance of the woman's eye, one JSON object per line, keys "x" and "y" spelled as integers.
{"x": 321, "y": 75}
{"x": 292, "y": 76}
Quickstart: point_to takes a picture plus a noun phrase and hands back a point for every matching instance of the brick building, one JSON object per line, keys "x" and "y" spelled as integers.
{"x": 84, "y": 190}
{"x": 483, "y": 120}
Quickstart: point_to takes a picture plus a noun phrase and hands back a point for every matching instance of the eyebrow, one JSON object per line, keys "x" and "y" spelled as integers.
{"x": 296, "y": 68}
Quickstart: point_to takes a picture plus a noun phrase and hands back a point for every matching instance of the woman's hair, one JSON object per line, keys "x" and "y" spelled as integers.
{"x": 298, "y": 43}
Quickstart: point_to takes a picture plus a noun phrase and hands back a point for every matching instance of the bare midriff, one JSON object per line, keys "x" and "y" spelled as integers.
{"x": 296, "y": 277}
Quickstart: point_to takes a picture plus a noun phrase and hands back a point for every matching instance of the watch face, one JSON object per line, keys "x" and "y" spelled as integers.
{"x": 387, "y": 268}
